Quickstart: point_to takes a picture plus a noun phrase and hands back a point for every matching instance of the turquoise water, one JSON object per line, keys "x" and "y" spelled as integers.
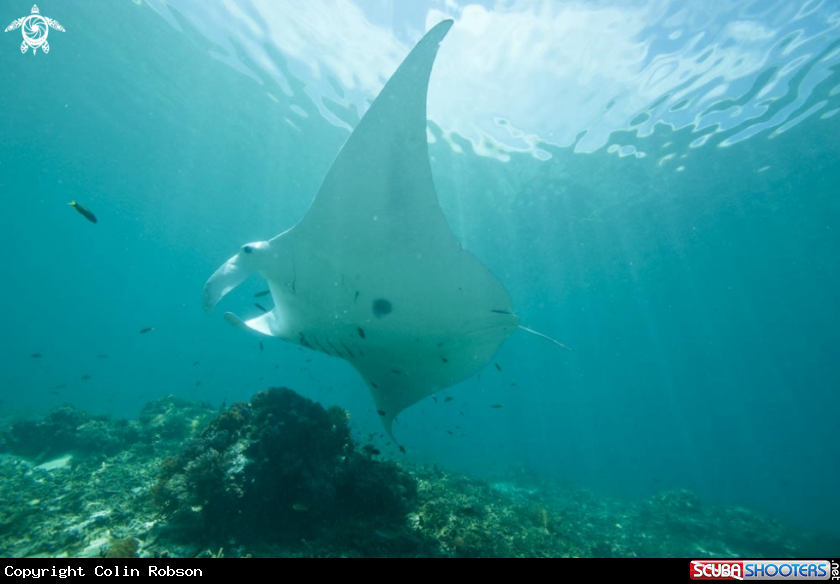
{"x": 655, "y": 183}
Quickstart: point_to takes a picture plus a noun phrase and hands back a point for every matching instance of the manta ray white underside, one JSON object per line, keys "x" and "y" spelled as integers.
{"x": 372, "y": 273}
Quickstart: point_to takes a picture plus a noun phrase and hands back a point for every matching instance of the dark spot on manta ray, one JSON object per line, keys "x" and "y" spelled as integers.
{"x": 247, "y": 249}
{"x": 381, "y": 413}
{"x": 381, "y": 307}
{"x": 360, "y": 331}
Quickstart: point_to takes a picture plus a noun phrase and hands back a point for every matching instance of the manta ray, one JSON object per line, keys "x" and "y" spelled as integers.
{"x": 373, "y": 274}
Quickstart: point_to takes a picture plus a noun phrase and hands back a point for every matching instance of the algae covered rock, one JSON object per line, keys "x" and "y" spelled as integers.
{"x": 281, "y": 465}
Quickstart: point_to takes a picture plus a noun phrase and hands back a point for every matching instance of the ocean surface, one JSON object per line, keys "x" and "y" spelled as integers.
{"x": 655, "y": 182}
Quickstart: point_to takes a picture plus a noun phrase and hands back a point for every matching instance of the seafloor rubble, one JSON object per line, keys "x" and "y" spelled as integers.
{"x": 282, "y": 476}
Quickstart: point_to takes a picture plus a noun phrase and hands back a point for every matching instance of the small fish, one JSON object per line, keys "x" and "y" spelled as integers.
{"x": 102, "y": 356}
{"x": 36, "y": 355}
{"x": 85, "y": 377}
{"x": 198, "y": 384}
{"x": 370, "y": 449}
{"x": 360, "y": 331}
{"x": 496, "y": 407}
{"x": 263, "y": 293}
{"x": 148, "y": 329}
{"x": 450, "y": 432}
{"x": 300, "y": 507}
{"x": 196, "y": 363}
{"x": 497, "y": 366}
{"x": 434, "y": 398}
{"x": 402, "y": 449}
{"x": 83, "y": 211}
{"x": 261, "y": 346}
{"x": 381, "y": 413}
{"x": 449, "y": 399}
{"x": 261, "y": 307}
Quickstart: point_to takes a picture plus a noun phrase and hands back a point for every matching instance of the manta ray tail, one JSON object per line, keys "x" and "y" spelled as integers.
{"x": 542, "y": 336}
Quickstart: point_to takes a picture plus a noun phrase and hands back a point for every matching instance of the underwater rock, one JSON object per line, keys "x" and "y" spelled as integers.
{"x": 279, "y": 466}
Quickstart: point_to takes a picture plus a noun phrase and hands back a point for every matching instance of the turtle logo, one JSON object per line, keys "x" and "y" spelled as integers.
{"x": 35, "y": 29}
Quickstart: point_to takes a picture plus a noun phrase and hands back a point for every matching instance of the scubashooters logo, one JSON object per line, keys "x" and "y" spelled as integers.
{"x": 762, "y": 570}
{"x": 35, "y": 29}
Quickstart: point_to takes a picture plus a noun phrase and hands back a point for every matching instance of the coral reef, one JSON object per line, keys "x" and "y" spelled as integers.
{"x": 279, "y": 466}
{"x": 281, "y": 477}
{"x": 66, "y": 429}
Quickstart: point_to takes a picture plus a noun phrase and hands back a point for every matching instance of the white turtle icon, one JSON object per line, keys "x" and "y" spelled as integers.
{"x": 35, "y": 30}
